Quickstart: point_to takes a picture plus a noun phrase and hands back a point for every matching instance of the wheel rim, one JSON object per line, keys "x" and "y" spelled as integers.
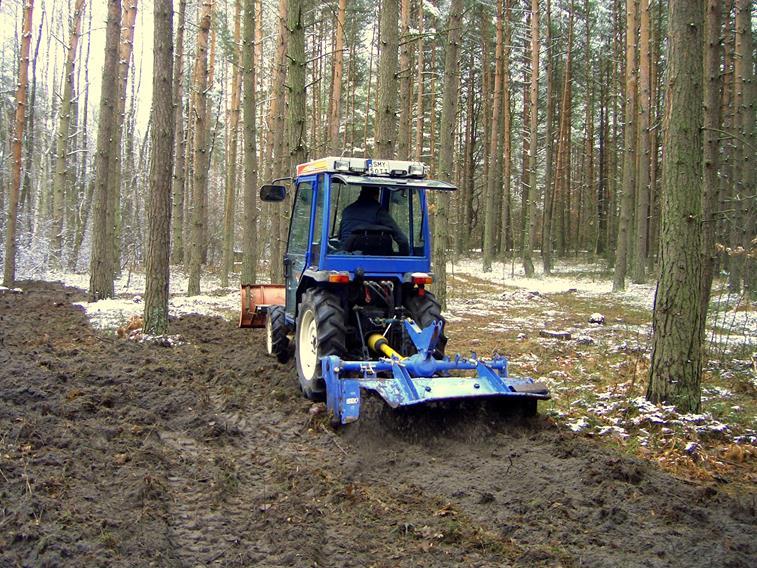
{"x": 307, "y": 345}
{"x": 269, "y": 335}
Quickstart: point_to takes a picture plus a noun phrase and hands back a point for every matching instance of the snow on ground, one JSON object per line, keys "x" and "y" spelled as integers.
{"x": 113, "y": 313}
{"x": 640, "y": 295}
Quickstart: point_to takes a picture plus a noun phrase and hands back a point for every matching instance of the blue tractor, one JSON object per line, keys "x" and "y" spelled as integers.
{"x": 354, "y": 310}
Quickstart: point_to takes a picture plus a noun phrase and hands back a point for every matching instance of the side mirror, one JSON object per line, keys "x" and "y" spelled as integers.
{"x": 273, "y": 193}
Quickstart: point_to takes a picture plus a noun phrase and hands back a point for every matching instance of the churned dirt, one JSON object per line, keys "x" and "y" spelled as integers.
{"x": 115, "y": 453}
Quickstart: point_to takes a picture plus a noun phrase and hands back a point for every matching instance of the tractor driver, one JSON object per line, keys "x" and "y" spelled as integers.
{"x": 367, "y": 212}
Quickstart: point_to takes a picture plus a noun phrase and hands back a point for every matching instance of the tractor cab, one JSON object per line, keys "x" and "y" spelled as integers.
{"x": 357, "y": 218}
{"x": 356, "y": 267}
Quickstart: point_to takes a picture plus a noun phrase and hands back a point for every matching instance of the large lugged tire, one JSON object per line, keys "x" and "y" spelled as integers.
{"x": 425, "y": 310}
{"x": 276, "y": 330}
{"x": 320, "y": 332}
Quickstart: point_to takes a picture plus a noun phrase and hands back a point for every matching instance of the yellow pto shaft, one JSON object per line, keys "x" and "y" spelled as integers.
{"x": 378, "y": 343}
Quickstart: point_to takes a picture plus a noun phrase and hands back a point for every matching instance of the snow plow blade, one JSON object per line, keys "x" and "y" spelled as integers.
{"x": 420, "y": 378}
{"x": 256, "y": 299}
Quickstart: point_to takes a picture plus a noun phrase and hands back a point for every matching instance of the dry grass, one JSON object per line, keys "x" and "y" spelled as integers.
{"x": 609, "y": 374}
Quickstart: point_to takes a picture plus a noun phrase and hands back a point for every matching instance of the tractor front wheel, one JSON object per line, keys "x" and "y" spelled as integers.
{"x": 321, "y": 332}
{"x": 276, "y": 330}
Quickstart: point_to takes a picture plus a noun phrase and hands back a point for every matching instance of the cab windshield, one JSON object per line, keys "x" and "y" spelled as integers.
{"x": 373, "y": 221}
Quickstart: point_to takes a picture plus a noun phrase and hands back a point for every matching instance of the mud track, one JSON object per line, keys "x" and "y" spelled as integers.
{"x": 119, "y": 454}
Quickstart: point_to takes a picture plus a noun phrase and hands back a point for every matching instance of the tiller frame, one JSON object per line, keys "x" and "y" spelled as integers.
{"x": 420, "y": 378}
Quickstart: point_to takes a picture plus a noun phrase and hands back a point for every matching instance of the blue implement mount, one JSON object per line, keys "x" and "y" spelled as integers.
{"x": 420, "y": 378}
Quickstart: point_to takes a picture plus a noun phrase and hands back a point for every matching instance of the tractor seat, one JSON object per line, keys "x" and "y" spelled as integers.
{"x": 375, "y": 240}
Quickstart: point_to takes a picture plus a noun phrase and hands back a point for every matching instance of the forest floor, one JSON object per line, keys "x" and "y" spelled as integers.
{"x": 200, "y": 450}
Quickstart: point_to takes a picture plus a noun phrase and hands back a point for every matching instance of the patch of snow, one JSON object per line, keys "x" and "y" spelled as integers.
{"x": 598, "y": 285}
{"x": 579, "y": 425}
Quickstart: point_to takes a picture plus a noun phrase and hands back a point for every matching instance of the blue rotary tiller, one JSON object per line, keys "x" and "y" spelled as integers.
{"x": 420, "y": 378}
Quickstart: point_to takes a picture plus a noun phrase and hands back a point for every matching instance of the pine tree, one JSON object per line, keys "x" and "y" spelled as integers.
{"x": 629, "y": 153}
{"x": 676, "y": 366}
{"x": 9, "y": 269}
{"x": 446, "y": 147}
{"x": 529, "y": 239}
{"x": 201, "y": 158}
{"x": 161, "y": 167}
{"x": 250, "y": 214}
{"x": 386, "y": 109}
{"x": 101, "y": 268}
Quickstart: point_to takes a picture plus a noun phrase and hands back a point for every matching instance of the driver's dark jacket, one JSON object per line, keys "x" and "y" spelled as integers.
{"x": 367, "y": 211}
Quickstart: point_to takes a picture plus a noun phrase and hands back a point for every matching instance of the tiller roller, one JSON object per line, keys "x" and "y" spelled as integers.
{"x": 420, "y": 378}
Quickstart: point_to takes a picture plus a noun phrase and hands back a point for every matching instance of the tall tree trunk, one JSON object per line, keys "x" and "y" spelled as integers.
{"x": 161, "y": 167}
{"x": 629, "y": 153}
{"x": 406, "y": 83}
{"x": 711, "y": 147}
{"x": 229, "y": 208}
{"x": 466, "y": 197}
{"x": 530, "y": 213}
{"x": 742, "y": 228}
{"x": 335, "y": 105}
{"x": 129, "y": 19}
{"x": 275, "y": 166}
{"x": 250, "y": 222}
{"x": 86, "y": 183}
{"x": 367, "y": 112}
{"x": 446, "y": 148}
{"x": 61, "y": 146}
{"x": 9, "y": 269}
{"x": 180, "y": 141}
{"x": 298, "y": 151}
{"x": 201, "y": 163}
{"x": 419, "y": 106}
{"x": 506, "y": 230}
{"x": 25, "y": 200}
{"x": 101, "y": 258}
{"x": 386, "y": 117}
{"x": 490, "y": 215}
{"x": 584, "y": 224}
{"x": 549, "y": 195}
{"x": 642, "y": 185}
{"x": 676, "y": 366}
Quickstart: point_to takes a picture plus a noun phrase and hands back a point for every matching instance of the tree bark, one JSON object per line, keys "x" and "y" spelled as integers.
{"x": 9, "y": 269}
{"x": 490, "y": 215}
{"x": 676, "y": 366}
{"x": 629, "y": 155}
{"x": 743, "y": 203}
{"x": 275, "y": 167}
{"x": 298, "y": 151}
{"x": 386, "y": 111}
{"x": 335, "y": 105}
{"x": 201, "y": 163}
{"x": 227, "y": 262}
{"x": 101, "y": 258}
{"x": 642, "y": 186}
{"x": 250, "y": 217}
{"x": 128, "y": 23}
{"x": 419, "y": 106}
{"x": 446, "y": 148}
{"x": 406, "y": 83}
{"x": 530, "y": 213}
{"x": 711, "y": 147}
{"x": 61, "y": 146}
{"x": 161, "y": 165}
{"x": 180, "y": 141}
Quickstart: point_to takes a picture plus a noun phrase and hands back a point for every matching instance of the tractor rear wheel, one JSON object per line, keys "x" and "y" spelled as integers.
{"x": 321, "y": 332}
{"x": 276, "y": 330}
{"x": 425, "y": 310}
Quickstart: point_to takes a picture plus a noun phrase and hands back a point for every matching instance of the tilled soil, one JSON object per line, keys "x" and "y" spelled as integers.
{"x": 114, "y": 453}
